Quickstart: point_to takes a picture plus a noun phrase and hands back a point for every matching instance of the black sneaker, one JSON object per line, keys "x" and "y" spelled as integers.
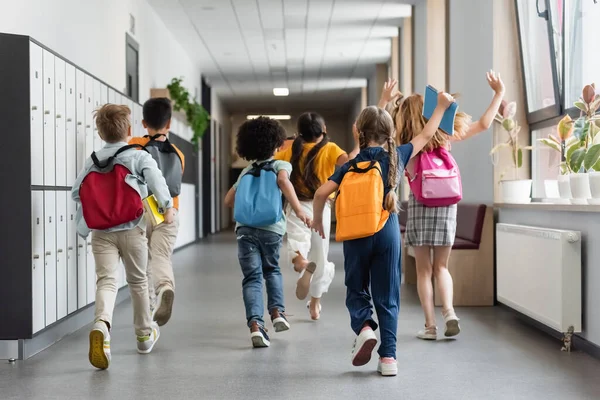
{"x": 279, "y": 320}
{"x": 259, "y": 336}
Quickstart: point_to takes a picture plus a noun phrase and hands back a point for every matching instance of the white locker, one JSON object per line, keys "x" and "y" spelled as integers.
{"x": 60, "y": 89}
{"x": 71, "y": 124}
{"x": 89, "y": 115}
{"x": 49, "y": 128}
{"x": 91, "y": 272}
{"x": 80, "y": 113}
{"x": 61, "y": 254}
{"x": 81, "y": 273}
{"x": 98, "y": 102}
{"x": 71, "y": 255}
{"x": 137, "y": 120}
{"x": 50, "y": 255}
{"x": 112, "y": 96}
{"x": 37, "y": 114}
{"x": 37, "y": 261}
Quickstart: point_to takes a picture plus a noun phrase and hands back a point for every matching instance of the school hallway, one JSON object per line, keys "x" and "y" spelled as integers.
{"x": 205, "y": 351}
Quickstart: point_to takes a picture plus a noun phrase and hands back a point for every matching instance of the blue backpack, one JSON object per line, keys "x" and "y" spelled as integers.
{"x": 258, "y": 199}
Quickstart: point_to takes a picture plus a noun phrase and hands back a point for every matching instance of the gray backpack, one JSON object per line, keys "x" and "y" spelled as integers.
{"x": 168, "y": 161}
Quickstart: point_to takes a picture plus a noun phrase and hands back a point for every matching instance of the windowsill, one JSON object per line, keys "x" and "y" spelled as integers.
{"x": 550, "y": 207}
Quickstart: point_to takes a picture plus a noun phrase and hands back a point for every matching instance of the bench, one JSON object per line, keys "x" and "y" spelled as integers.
{"x": 471, "y": 261}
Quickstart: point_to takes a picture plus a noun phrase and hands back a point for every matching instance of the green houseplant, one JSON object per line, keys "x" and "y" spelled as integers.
{"x": 515, "y": 190}
{"x": 196, "y": 115}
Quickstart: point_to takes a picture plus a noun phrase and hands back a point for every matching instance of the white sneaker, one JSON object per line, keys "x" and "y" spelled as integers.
{"x": 387, "y": 366}
{"x": 452, "y": 325}
{"x": 428, "y": 333}
{"x": 145, "y": 344}
{"x": 99, "y": 354}
{"x": 164, "y": 305}
{"x": 364, "y": 344}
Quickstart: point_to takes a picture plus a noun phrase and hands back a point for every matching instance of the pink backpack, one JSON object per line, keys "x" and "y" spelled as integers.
{"x": 435, "y": 181}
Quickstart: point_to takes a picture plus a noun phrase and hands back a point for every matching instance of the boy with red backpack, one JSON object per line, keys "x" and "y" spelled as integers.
{"x": 109, "y": 192}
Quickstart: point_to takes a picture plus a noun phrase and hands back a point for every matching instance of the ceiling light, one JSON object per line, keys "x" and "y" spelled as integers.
{"x": 281, "y": 91}
{"x": 281, "y": 117}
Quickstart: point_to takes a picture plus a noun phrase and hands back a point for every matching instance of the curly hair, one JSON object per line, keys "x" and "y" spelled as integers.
{"x": 258, "y": 138}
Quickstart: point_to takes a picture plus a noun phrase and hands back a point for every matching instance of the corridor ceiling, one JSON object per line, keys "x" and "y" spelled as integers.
{"x": 322, "y": 50}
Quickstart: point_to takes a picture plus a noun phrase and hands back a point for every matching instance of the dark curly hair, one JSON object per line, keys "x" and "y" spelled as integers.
{"x": 258, "y": 138}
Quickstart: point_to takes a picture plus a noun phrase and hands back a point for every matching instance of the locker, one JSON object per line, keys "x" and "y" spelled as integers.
{"x": 80, "y": 113}
{"x": 81, "y": 273}
{"x": 61, "y": 254}
{"x": 37, "y": 263}
{"x": 71, "y": 124}
{"x": 91, "y": 272}
{"x": 50, "y": 255}
{"x": 103, "y": 101}
{"x": 60, "y": 121}
{"x": 89, "y": 115}
{"x": 49, "y": 118}
{"x": 71, "y": 256}
{"x": 112, "y": 96}
{"x": 97, "y": 104}
{"x": 137, "y": 120}
{"x": 37, "y": 114}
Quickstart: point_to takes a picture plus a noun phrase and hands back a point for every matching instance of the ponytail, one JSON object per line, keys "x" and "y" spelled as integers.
{"x": 391, "y": 200}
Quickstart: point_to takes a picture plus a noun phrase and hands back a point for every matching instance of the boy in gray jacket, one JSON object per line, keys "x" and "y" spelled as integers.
{"x": 125, "y": 240}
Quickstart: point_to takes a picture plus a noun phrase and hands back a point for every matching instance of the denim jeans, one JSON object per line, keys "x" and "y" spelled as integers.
{"x": 258, "y": 252}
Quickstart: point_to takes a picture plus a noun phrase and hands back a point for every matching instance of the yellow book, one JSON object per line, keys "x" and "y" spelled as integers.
{"x": 151, "y": 211}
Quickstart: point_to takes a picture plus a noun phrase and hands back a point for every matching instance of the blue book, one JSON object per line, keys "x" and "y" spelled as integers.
{"x": 429, "y": 105}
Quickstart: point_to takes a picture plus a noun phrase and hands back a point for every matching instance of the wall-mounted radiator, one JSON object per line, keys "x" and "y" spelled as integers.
{"x": 538, "y": 273}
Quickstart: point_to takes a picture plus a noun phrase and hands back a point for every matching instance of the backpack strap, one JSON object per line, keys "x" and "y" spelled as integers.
{"x": 98, "y": 164}
{"x": 379, "y": 157}
{"x": 155, "y": 136}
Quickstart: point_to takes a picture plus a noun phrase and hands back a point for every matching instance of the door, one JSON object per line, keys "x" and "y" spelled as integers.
{"x": 61, "y": 254}
{"x": 36, "y": 90}
{"x": 49, "y": 120}
{"x": 50, "y": 255}
{"x": 80, "y": 113}
{"x": 89, "y": 115}
{"x": 132, "y": 68}
{"x": 97, "y": 104}
{"x": 71, "y": 256}
{"x": 81, "y": 273}
{"x": 71, "y": 124}
{"x": 60, "y": 108}
{"x": 37, "y": 260}
{"x": 206, "y": 164}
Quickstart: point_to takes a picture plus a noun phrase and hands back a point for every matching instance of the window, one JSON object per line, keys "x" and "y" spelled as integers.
{"x": 545, "y": 162}
{"x": 582, "y": 61}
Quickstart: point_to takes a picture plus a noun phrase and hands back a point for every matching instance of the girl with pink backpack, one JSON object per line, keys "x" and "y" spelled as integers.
{"x": 434, "y": 179}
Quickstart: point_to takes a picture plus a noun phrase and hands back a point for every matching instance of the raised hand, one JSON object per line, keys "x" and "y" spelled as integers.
{"x": 445, "y": 100}
{"x": 389, "y": 93}
{"x": 495, "y": 82}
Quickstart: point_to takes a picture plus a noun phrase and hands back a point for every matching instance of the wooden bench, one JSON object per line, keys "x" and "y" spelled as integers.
{"x": 471, "y": 261}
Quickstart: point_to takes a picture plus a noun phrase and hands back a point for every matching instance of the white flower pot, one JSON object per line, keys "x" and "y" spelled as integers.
{"x": 551, "y": 189}
{"x": 517, "y": 191}
{"x": 564, "y": 188}
{"x": 594, "y": 187}
{"x": 580, "y": 188}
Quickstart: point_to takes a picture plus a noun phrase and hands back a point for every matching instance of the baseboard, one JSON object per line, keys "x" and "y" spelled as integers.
{"x": 577, "y": 342}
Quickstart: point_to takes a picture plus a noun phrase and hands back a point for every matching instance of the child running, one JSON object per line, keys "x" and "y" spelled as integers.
{"x": 374, "y": 260}
{"x": 313, "y": 158}
{"x": 109, "y": 191}
{"x": 261, "y": 223}
{"x": 434, "y": 228}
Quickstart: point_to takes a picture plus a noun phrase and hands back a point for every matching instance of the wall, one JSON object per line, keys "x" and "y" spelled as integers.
{"x": 471, "y": 55}
{"x": 419, "y": 21}
{"x": 436, "y": 43}
{"x": 406, "y": 57}
{"x": 91, "y": 34}
{"x": 222, "y": 116}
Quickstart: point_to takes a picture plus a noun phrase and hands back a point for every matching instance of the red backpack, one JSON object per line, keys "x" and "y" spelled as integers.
{"x": 107, "y": 200}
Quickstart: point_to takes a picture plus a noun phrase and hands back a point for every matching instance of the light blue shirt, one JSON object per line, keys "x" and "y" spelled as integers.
{"x": 278, "y": 227}
{"x": 144, "y": 174}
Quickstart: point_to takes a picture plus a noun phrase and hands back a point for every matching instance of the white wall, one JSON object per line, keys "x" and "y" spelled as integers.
{"x": 91, "y": 34}
{"x": 419, "y": 46}
{"x": 471, "y": 55}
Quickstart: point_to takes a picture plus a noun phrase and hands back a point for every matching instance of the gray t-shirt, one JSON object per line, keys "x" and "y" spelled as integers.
{"x": 278, "y": 227}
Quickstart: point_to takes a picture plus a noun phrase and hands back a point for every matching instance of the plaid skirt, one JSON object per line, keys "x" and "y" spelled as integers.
{"x": 430, "y": 226}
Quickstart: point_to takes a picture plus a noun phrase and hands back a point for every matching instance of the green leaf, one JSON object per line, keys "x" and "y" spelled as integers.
{"x": 581, "y": 105}
{"x": 564, "y": 168}
{"x": 579, "y": 129}
{"x": 571, "y": 141}
{"x": 550, "y": 143}
{"x": 519, "y": 158}
{"x": 571, "y": 149}
{"x": 577, "y": 160}
{"x": 591, "y": 157}
{"x": 498, "y": 147}
{"x": 596, "y": 167}
{"x": 593, "y": 129}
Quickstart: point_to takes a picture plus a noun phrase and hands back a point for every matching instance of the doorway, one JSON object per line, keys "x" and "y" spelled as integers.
{"x": 132, "y": 68}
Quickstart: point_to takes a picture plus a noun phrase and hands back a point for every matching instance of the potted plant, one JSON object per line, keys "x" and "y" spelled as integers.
{"x": 514, "y": 190}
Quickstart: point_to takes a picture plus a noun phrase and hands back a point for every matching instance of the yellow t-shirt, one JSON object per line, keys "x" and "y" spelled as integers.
{"x": 324, "y": 163}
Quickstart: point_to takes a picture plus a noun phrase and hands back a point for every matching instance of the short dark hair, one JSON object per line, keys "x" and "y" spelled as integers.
{"x": 258, "y": 138}
{"x": 157, "y": 112}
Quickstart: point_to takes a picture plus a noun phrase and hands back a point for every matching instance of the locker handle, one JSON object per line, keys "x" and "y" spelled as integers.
{"x": 80, "y": 246}
{"x": 48, "y": 253}
{"x": 69, "y": 119}
{"x": 79, "y": 123}
{"x": 34, "y": 108}
{"x": 88, "y": 126}
{"x": 58, "y": 116}
{"x": 70, "y": 247}
{"x": 47, "y": 112}
{"x": 59, "y": 250}
{"x": 36, "y": 256}
{"x": 89, "y": 243}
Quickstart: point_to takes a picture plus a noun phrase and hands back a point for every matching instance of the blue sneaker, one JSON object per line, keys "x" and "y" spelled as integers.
{"x": 279, "y": 320}
{"x": 259, "y": 336}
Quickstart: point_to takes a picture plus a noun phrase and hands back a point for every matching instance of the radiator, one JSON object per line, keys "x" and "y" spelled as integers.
{"x": 538, "y": 273}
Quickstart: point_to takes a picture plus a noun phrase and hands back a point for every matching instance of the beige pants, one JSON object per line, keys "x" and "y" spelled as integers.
{"x": 132, "y": 247}
{"x": 161, "y": 241}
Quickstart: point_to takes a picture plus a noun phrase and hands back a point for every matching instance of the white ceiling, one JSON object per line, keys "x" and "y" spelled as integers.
{"x": 316, "y": 48}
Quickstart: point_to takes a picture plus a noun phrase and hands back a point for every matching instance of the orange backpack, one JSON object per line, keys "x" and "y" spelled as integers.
{"x": 359, "y": 203}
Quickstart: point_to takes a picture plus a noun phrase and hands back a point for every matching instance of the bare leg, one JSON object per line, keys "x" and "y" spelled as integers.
{"x": 424, "y": 284}
{"x": 441, "y": 255}
{"x": 315, "y": 308}
{"x": 299, "y": 262}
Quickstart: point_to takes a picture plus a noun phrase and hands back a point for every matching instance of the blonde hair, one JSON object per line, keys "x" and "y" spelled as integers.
{"x": 409, "y": 120}
{"x": 375, "y": 125}
{"x": 113, "y": 122}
